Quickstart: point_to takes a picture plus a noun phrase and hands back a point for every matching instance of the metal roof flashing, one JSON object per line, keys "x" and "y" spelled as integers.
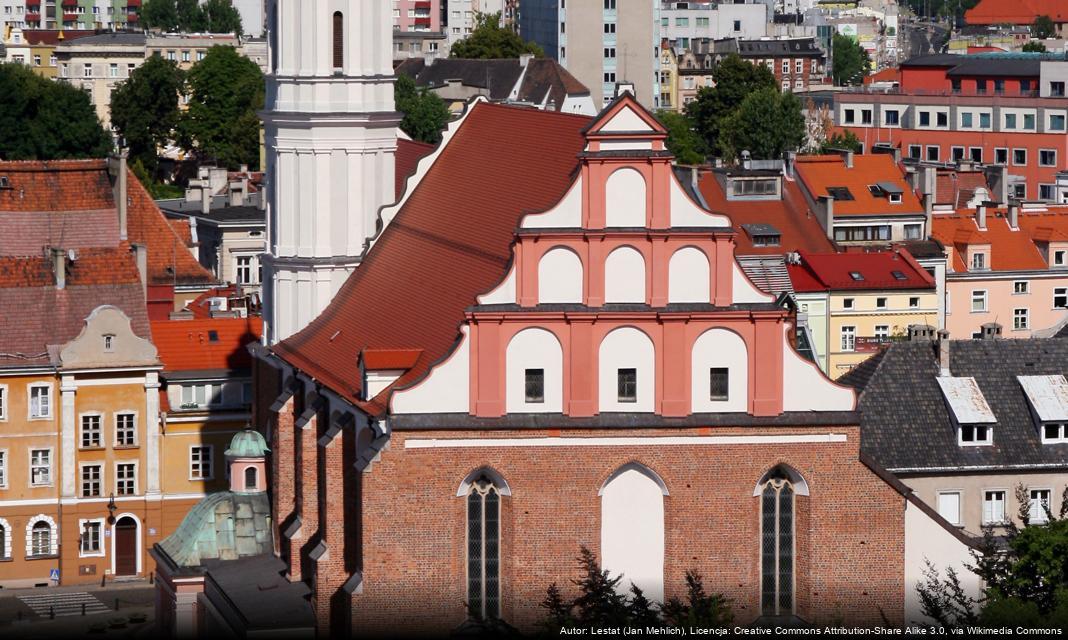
{"x": 965, "y": 400}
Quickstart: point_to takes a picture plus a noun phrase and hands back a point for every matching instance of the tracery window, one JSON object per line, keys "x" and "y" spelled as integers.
{"x": 777, "y": 545}
{"x": 483, "y": 549}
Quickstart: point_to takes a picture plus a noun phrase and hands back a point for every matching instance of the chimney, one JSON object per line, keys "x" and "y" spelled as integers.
{"x": 943, "y": 353}
{"x": 980, "y": 217}
{"x": 848, "y": 159}
{"x": 59, "y": 267}
{"x": 990, "y": 331}
{"x": 930, "y": 180}
{"x": 117, "y": 169}
{"x": 788, "y": 166}
{"x": 747, "y": 159}
{"x": 896, "y": 153}
{"x": 826, "y": 208}
{"x": 525, "y": 58}
{"x": 921, "y": 333}
{"x": 205, "y": 197}
{"x": 141, "y": 257}
{"x": 1014, "y": 215}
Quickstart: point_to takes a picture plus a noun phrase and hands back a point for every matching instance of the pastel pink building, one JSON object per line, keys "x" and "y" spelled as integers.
{"x": 417, "y": 15}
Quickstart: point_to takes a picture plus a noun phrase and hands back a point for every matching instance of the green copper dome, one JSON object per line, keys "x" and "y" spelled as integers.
{"x": 247, "y": 444}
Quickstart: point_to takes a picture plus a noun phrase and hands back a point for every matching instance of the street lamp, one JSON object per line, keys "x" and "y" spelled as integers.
{"x": 111, "y": 508}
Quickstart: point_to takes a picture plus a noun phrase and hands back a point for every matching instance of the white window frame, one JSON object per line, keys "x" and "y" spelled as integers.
{"x": 938, "y": 505}
{"x": 1004, "y": 506}
{"x": 3, "y": 402}
{"x": 1026, "y": 287}
{"x": 29, "y": 397}
{"x": 81, "y": 429}
{"x": 115, "y": 431}
{"x": 210, "y": 459}
{"x": 53, "y": 536}
{"x": 101, "y": 482}
{"x": 1062, "y": 432}
{"x": 136, "y": 470}
{"x": 988, "y": 441}
{"x": 848, "y": 336}
{"x": 1042, "y": 519}
{"x": 99, "y": 553}
{"x": 1017, "y": 316}
{"x": 1063, "y": 293}
{"x": 978, "y": 262}
{"x": 51, "y": 467}
{"x": 3, "y": 469}
{"x": 985, "y": 301}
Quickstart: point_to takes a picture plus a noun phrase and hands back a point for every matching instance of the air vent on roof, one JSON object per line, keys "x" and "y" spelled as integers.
{"x": 213, "y": 336}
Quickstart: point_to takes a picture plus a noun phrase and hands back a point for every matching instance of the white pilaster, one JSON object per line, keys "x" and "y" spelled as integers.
{"x": 67, "y": 438}
{"x": 152, "y": 467}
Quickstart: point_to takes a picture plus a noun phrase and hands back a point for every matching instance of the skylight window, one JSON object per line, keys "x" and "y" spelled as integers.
{"x": 840, "y": 193}
{"x": 898, "y": 275}
{"x": 856, "y": 275}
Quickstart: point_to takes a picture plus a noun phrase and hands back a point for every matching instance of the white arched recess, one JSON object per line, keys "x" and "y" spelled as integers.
{"x": 534, "y": 349}
{"x": 689, "y": 276}
{"x": 632, "y": 529}
{"x": 560, "y": 276}
{"x": 624, "y": 200}
{"x": 624, "y": 276}
{"x": 626, "y": 348}
{"x": 719, "y": 349}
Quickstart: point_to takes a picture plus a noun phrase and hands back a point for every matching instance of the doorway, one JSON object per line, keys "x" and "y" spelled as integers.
{"x": 126, "y": 546}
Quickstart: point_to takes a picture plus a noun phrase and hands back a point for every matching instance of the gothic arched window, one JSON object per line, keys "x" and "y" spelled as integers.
{"x": 777, "y": 545}
{"x": 484, "y": 549}
{"x": 339, "y": 40}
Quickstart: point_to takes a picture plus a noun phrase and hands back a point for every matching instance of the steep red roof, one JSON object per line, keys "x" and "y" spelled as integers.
{"x": 409, "y": 153}
{"x": 956, "y": 188}
{"x": 378, "y": 359}
{"x": 213, "y": 343}
{"x": 71, "y": 204}
{"x": 1021, "y": 12}
{"x": 449, "y": 243}
{"x": 791, "y": 216}
{"x": 201, "y": 305}
{"x": 1009, "y": 250}
{"x": 877, "y": 270}
{"x": 818, "y": 173}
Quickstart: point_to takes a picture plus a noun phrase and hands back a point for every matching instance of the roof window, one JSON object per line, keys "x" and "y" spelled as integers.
{"x": 856, "y": 275}
{"x": 840, "y": 193}
{"x": 213, "y": 335}
{"x": 898, "y": 275}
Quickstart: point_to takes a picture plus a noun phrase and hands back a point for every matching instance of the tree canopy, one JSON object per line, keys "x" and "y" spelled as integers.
{"x": 767, "y": 124}
{"x": 425, "y": 113}
{"x": 1043, "y": 28}
{"x": 849, "y": 61}
{"x": 226, "y": 90}
{"x": 144, "y": 108}
{"x": 490, "y": 40}
{"x": 734, "y": 80}
{"x": 189, "y": 16}
{"x": 1034, "y": 47}
{"x": 687, "y": 146}
{"x": 848, "y": 141}
{"x": 45, "y": 120}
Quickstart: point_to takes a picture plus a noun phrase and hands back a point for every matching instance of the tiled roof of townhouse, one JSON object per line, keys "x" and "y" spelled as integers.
{"x": 71, "y": 204}
{"x": 854, "y": 188}
{"x": 1010, "y": 249}
{"x": 998, "y": 12}
{"x": 414, "y": 284}
{"x": 957, "y": 187}
{"x": 856, "y": 270}
{"x": 37, "y": 37}
{"x": 206, "y": 344}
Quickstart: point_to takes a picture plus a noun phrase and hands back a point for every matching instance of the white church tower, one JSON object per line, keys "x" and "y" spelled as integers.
{"x": 330, "y": 132}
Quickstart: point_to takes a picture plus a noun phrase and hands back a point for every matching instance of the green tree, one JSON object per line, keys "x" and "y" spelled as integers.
{"x": 734, "y": 80}
{"x": 425, "y": 113}
{"x": 45, "y": 120}
{"x": 599, "y": 603}
{"x": 159, "y": 14}
{"x": 226, "y": 91}
{"x": 1034, "y": 47}
{"x": 848, "y": 141}
{"x": 849, "y": 60}
{"x": 1043, "y": 28}
{"x": 144, "y": 108}
{"x": 490, "y": 40}
{"x": 700, "y": 609}
{"x": 222, "y": 17}
{"x": 682, "y": 141}
{"x": 191, "y": 18}
{"x": 767, "y": 124}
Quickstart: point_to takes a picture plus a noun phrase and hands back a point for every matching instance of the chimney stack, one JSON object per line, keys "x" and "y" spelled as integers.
{"x": 849, "y": 159}
{"x": 943, "y": 353}
{"x": 119, "y": 191}
{"x": 205, "y": 197}
{"x": 141, "y": 257}
{"x": 59, "y": 267}
{"x": 990, "y": 331}
{"x": 1014, "y": 215}
{"x": 921, "y": 332}
{"x": 980, "y": 217}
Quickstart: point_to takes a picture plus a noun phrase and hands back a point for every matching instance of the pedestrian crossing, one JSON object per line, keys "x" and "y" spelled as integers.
{"x": 64, "y": 604}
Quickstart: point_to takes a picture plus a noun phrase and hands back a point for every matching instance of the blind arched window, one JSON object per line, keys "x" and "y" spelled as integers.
{"x": 777, "y": 545}
{"x": 250, "y": 478}
{"x": 483, "y": 549}
{"x": 339, "y": 40}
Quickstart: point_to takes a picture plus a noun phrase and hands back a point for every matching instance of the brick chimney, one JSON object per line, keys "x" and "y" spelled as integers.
{"x": 120, "y": 193}
{"x": 140, "y": 252}
{"x": 980, "y": 217}
{"x": 990, "y": 331}
{"x": 943, "y": 353}
{"x": 59, "y": 266}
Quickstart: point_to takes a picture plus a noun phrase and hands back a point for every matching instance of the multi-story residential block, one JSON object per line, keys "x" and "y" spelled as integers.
{"x": 600, "y": 43}
{"x": 861, "y": 199}
{"x": 683, "y": 22}
{"x": 417, "y": 15}
{"x": 461, "y": 15}
{"x": 994, "y": 109}
{"x": 977, "y": 428}
{"x": 80, "y": 14}
{"x": 669, "y": 78}
{"x": 97, "y": 64}
{"x": 42, "y": 57}
{"x": 185, "y": 50}
{"x": 856, "y": 302}
{"x": 695, "y": 71}
{"x": 420, "y": 44}
{"x": 797, "y": 63}
{"x": 1006, "y": 264}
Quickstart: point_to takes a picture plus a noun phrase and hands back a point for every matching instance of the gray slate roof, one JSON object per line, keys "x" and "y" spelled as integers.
{"x": 264, "y": 600}
{"x": 906, "y": 425}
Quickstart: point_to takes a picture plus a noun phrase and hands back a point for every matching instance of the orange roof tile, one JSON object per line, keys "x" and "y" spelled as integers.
{"x": 818, "y": 173}
{"x": 1010, "y": 250}
{"x": 378, "y": 359}
{"x": 1016, "y": 11}
{"x": 214, "y": 343}
{"x": 877, "y": 270}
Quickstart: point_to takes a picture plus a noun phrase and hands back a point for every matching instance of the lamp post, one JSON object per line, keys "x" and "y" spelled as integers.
{"x": 111, "y": 508}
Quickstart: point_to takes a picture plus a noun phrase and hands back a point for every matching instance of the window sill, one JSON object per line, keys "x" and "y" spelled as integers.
{"x": 94, "y": 554}
{"x": 124, "y": 447}
{"x": 50, "y": 556}
{"x": 7, "y": 559}
{"x": 96, "y": 448}
{"x": 43, "y": 486}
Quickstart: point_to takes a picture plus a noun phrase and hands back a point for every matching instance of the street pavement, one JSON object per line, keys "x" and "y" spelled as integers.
{"x": 27, "y": 613}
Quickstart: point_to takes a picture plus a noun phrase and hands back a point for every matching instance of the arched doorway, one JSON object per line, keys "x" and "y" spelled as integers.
{"x": 126, "y": 546}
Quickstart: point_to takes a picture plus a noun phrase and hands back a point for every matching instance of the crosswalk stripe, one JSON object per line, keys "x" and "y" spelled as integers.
{"x": 63, "y": 604}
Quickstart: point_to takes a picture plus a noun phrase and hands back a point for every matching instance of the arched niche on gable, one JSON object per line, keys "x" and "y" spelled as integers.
{"x": 560, "y": 277}
{"x": 689, "y": 276}
{"x": 625, "y": 199}
{"x": 624, "y": 276}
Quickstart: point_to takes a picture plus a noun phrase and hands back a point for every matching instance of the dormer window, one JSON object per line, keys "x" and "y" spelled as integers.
{"x": 975, "y": 434}
{"x": 969, "y": 409}
{"x": 1054, "y": 432}
{"x": 856, "y": 275}
{"x": 1060, "y": 258}
{"x": 1048, "y": 398}
{"x": 898, "y": 275}
{"x": 978, "y": 261}
{"x": 894, "y": 198}
{"x": 840, "y": 193}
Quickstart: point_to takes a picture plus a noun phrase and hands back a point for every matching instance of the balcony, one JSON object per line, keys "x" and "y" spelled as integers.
{"x": 70, "y": 3}
{"x": 133, "y": 4}
{"x": 131, "y": 17}
{"x": 70, "y": 17}
{"x": 33, "y": 17}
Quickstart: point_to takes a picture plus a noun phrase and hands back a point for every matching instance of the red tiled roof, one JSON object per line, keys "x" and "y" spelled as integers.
{"x": 832, "y": 271}
{"x": 791, "y": 216}
{"x": 187, "y": 345}
{"x": 1009, "y": 250}
{"x": 378, "y": 359}
{"x": 70, "y": 203}
{"x": 1016, "y": 11}
{"x": 449, "y": 243}
{"x": 182, "y": 228}
{"x": 817, "y": 173}
{"x": 90, "y": 267}
{"x": 891, "y": 74}
{"x": 409, "y": 153}
{"x": 956, "y": 188}
{"x": 37, "y": 37}
{"x": 201, "y": 305}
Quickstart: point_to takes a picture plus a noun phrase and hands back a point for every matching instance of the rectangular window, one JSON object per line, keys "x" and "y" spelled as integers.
{"x": 1019, "y": 157}
{"x": 880, "y": 303}
{"x": 882, "y": 332}
{"x": 200, "y": 463}
{"x": 718, "y": 383}
{"x": 90, "y": 537}
{"x": 976, "y": 154}
{"x": 966, "y": 120}
{"x": 1056, "y": 89}
{"x": 1001, "y": 156}
{"x": 1047, "y": 157}
{"x": 847, "y": 303}
{"x": 91, "y": 431}
{"x": 979, "y": 301}
{"x": 913, "y": 231}
{"x": 1060, "y": 298}
{"x": 91, "y": 481}
{"x": 891, "y": 117}
{"x": 1060, "y": 258}
{"x": 942, "y": 119}
{"x": 737, "y": 26}
{"x": 1019, "y": 319}
{"x": 1053, "y": 432}
{"x": 865, "y": 116}
{"x": 849, "y": 338}
{"x": 1010, "y": 120}
{"x": 975, "y": 434}
{"x": 87, "y": 71}
{"x": 1047, "y": 192}
{"x": 1056, "y": 123}
{"x": 1029, "y": 121}
{"x": 850, "y": 116}
{"x": 949, "y": 506}
{"x": 978, "y": 261}
{"x": 125, "y": 479}
{"x": 3, "y": 473}
{"x": 932, "y": 153}
{"x": 925, "y": 118}
{"x": 914, "y": 302}
{"x": 1039, "y": 507}
{"x": 40, "y": 467}
{"x": 3, "y": 402}
{"x": 915, "y": 151}
{"x": 993, "y": 507}
{"x": 1021, "y": 287}
{"x": 535, "y": 385}
{"x": 984, "y": 120}
{"x": 999, "y": 86}
{"x": 125, "y": 430}
{"x": 627, "y": 385}
{"x": 41, "y": 401}
{"x": 113, "y": 70}
{"x": 244, "y": 269}
{"x": 957, "y": 153}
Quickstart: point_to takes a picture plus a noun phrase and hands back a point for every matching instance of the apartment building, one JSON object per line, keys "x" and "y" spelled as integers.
{"x": 460, "y": 16}
{"x": 796, "y": 63}
{"x": 99, "y": 63}
{"x": 76, "y": 14}
{"x": 999, "y": 109}
{"x": 669, "y": 78}
{"x": 683, "y": 22}
{"x": 417, "y": 15}
{"x": 185, "y": 50}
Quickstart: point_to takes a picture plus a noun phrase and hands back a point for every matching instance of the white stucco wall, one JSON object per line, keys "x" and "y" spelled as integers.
{"x": 560, "y": 276}
{"x": 686, "y": 213}
{"x": 806, "y": 388}
{"x": 632, "y": 532}
{"x": 720, "y": 348}
{"x": 566, "y": 214}
{"x": 688, "y": 276}
{"x": 446, "y": 389}
{"x": 534, "y": 349}
{"x": 744, "y": 291}
{"x": 624, "y": 276}
{"x": 626, "y": 348}
{"x": 625, "y": 199}
{"x": 926, "y": 539}
{"x": 625, "y": 120}
{"x": 504, "y": 293}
